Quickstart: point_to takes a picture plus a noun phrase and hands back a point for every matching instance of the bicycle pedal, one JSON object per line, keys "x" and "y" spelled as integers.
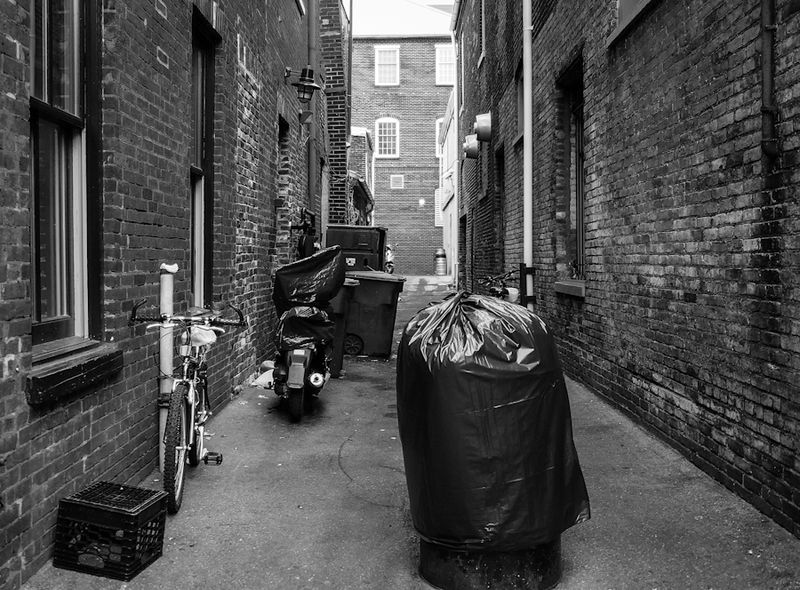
{"x": 212, "y": 458}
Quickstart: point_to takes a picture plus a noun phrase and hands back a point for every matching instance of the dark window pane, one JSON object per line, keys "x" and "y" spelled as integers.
{"x": 53, "y": 228}
{"x": 198, "y": 104}
{"x": 63, "y": 66}
{"x": 39, "y": 48}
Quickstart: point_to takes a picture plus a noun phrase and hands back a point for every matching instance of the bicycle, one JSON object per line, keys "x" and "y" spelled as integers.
{"x": 497, "y": 287}
{"x": 189, "y": 407}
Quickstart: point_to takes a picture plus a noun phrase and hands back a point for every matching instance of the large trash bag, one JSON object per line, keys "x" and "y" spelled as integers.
{"x": 309, "y": 281}
{"x": 304, "y": 326}
{"x": 485, "y": 427}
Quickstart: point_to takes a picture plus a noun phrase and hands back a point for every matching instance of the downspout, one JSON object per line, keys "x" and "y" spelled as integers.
{"x": 457, "y": 171}
{"x": 769, "y": 111}
{"x": 313, "y": 24}
{"x": 527, "y": 143}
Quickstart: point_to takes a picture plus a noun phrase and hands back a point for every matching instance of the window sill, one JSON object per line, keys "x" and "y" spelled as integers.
{"x": 377, "y": 157}
{"x": 60, "y": 377}
{"x": 573, "y": 287}
{"x": 626, "y": 24}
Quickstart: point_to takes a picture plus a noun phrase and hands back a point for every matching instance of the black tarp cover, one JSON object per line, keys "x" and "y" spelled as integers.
{"x": 309, "y": 281}
{"x": 304, "y": 326}
{"x": 485, "y": 427}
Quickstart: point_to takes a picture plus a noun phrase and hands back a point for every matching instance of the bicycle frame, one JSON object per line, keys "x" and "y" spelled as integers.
{"x": 182, "y": 418}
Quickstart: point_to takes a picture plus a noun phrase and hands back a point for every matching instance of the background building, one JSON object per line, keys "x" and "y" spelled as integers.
{"x": 402, "y": 77}
{"x": 136, "y": 133}
{"x": 664, "y": 225}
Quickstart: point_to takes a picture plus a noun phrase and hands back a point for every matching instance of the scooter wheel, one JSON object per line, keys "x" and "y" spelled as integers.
{"x": 295, "y": 403}
{"x": 353, "y": 344}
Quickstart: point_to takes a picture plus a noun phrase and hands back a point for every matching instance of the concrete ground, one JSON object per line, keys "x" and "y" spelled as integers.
{"x": 323, "y": 504}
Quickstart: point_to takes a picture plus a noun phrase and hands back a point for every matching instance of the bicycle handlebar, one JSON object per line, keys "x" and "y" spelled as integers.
{"x": 195, "y": 319}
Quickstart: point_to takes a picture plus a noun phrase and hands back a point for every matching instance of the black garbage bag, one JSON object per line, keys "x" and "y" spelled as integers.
{"x": 304, "y": 326}
{"x": 485, "y": 427}
{"x": 309, "y": 281}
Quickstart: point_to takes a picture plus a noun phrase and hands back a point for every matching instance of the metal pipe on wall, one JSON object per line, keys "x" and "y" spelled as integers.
{"x": 769, "y": 110}
{"x": 312, "y": 36}
{"x": 527, "y": 132}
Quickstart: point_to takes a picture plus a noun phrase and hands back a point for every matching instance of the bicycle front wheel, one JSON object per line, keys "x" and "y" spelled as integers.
{"x": 176, "y": 441}
{"x": 197, "y": 448}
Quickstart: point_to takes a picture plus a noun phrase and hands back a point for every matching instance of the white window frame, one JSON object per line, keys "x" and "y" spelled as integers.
{"x": 386, "y": 49}
{"x": 438, "y": 124}
{"x": 396, "y": 152}
{"x": 445, "y": 50}
{"x": 397, "y": 181}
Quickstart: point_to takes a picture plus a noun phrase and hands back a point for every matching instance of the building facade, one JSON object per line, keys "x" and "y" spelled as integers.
{"x": 664, "y": 230}
{"x": 400, "y": 91}
{"x": 136, "y": 133}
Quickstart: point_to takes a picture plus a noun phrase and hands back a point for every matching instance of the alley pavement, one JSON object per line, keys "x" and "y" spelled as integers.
{"x": 323, "y": 504}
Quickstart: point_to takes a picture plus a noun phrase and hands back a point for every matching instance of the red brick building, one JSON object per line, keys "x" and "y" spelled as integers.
{"x": 401, "y": 84}
{"x": 152, "y": 132}
{"x": 665, "y": 249}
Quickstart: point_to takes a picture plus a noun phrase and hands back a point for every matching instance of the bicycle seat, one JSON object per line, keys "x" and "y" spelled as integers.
{"x": 202, "y": 336}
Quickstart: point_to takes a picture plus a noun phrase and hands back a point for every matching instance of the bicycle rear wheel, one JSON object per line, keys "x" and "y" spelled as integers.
{"x": 176, "y": 441}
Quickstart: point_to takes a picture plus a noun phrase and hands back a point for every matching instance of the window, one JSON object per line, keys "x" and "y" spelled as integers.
{"x": 438, "y": 220}
{"x": 387, "y": 136}
{"x": 396, "y": 181}
{"x": 461, "y": 73}
{"x": 520, "y": 86}
{"x": 58, "y": 184}
{"x": 445, "y": 65}
{"x": 483, "y": 31}
{"x": 628, "y": 12}
{"x": 201, "y": 199}
{"x": 387, "y": 65}
{"x": 572, "y": 201}
{"x": 439, "y": 125}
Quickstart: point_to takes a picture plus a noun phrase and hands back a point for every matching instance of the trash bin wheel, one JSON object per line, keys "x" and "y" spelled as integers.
{"x": 353, "y": 344}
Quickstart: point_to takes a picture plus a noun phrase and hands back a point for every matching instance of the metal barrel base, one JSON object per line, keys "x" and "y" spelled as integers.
{"x": 538, "y": 568}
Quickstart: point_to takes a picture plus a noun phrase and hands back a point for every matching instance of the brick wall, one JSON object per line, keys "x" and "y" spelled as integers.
{"x": 689, "y": 322}
{"x": 336, "y": 54}
{"x": 416, "y": 103}
{"x": 108, "y": 430}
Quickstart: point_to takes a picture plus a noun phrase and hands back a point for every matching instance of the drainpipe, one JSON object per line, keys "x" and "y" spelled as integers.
{"x": 456, "y": 171}
{"x": 527, "y": 139}
{"x": 769, "y": 111}
{"x": 313, "y": 27}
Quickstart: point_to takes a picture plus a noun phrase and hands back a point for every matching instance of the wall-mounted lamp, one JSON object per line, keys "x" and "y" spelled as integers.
{"x": 471, "y": 146}
{"x": 305, "y": 83}
{"x": 482, "y": 127}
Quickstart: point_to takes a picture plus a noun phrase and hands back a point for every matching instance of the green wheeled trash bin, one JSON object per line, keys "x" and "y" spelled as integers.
{"x": 484, "y": 419}
{"x": 340, "y": 304}
{"x": 371, "y": 313}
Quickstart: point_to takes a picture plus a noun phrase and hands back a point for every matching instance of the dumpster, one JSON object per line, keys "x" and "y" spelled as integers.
{"x": 371, "y": 313}
{"x": 363, "y": 246}
{"x": 340, "y": 304}
{"x": 492, "y": 472}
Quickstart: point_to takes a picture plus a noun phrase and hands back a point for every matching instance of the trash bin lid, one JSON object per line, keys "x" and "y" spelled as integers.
{"x": 375, "y": 275}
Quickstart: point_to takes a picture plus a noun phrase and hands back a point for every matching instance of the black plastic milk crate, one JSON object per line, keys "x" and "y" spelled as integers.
{"x": 110, "y": 530}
